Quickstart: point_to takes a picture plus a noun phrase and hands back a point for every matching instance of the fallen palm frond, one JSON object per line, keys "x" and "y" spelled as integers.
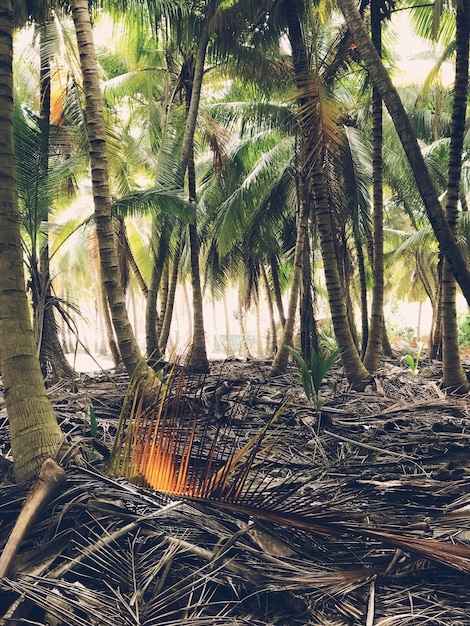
{"x": 165, "y": 442}
{"x": 162, "y": 443}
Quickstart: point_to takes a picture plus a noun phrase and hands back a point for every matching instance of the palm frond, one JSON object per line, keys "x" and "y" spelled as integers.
{"x": 162, "y": 443}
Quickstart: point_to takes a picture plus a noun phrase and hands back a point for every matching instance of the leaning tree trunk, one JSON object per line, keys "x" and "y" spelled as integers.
{"x": 454, "y": 376}
{"x": 410, "y": 144}
{"x": 35, "y": 434}
{"x": 130, "y": 352}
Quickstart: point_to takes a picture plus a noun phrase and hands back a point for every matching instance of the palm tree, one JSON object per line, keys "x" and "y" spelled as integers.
{"x": 317, "y": 131}
{"x": 128, "y": 347}
{"x": 396, "y": 110}
{"x": 377, "y": 325}
{"x": 454, "y": 375}
{"x": 35, "y": 434}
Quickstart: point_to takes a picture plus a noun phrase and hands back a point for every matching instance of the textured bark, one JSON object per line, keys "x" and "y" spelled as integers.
{"x": 197, "y": 359}
{"x": 128, "y": 347}
{"x": 35, "y": 434}
{"x": 151, "y": 335}
{"x": 308, "y": 328}
{"x": 108, "y": 324}
{"x": 354, "y": 369}
{"x": 408, "y": 139}
{"x": 377, "y": 320}
{"x": 454, "y": 376}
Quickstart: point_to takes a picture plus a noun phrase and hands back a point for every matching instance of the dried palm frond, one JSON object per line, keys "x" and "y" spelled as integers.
{"x": 167, "y": 443}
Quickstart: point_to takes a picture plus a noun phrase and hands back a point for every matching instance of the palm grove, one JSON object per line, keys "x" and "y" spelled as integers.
{"x": 258, "y": 146}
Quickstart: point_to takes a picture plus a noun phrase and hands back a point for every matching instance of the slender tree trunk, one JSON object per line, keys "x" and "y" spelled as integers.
{"x": 51, "y": 353}
{"x": 308, "y": 329}
{"x": 363, "y": 294}
{"x": 198, "y": 355}
{"x": 244, "y": 349}
{"x": 108, "y": 324}
{"x": 272, "y": 344}
{"x": 133, "y": 263}
{"x": 454, "y": 376}
{"x": 435, "y": 339}
{"x": 410, "y": 144}
{"x": 151, "y": 335}
{"x": 35, "y": 434}
{"x": 128, "y": 347}
{"x": 228, "y": 331}
{"x": 280, "y": 360}
{"x": 277, "y": 289}
{"x": 354, "y": 369}
{"x": 158, "y": 255}
{"x": 170, "y": 303}
{"x": 259, "y": 343}
{"x": 377, "y": 324}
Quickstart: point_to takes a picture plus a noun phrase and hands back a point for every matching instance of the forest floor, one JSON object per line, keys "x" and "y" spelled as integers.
{"x": 358, "y": 514}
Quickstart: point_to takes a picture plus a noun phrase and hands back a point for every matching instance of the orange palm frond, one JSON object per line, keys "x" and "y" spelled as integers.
{"x": 162, "y": 445}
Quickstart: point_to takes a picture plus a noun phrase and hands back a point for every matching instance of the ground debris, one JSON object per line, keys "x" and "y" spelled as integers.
{"x": 395, "y": 456}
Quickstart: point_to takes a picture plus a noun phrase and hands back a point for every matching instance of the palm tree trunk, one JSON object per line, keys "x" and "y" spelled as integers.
{"x": 198, "y": 355}
{"x": 51, "y": 353}
{"x": 244, "y": 350}
{"x": 376, "y": 328}
{"x": 361, "y": 270}
{"x": 108, "y": 324}
{"x": 408, "y": 139}
{"x": 35, "y": 434}
{"x": 229, "y": 352}
{"x": 454, "y": 376}
{"x": 435, "y": 339}
{"x": 197, "y": 360}
{"x": 280, "y": 360}
{"x": 308, "y": 328}
{"x": 128, "y": 347}
{"x": 151, "y": 335}
{"x": 170, "y": 302}
{"x": 277, "y": 289}
{"x": 354, "y": 369}
{"x": 272, "y": 344}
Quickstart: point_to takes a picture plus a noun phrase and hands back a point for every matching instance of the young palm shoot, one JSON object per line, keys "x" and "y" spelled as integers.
{"x": 313, "y": 372}
{"x": 413, "y": 361}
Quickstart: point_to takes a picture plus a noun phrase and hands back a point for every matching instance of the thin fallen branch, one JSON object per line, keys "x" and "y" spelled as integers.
{"x": 51, "y": 481}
